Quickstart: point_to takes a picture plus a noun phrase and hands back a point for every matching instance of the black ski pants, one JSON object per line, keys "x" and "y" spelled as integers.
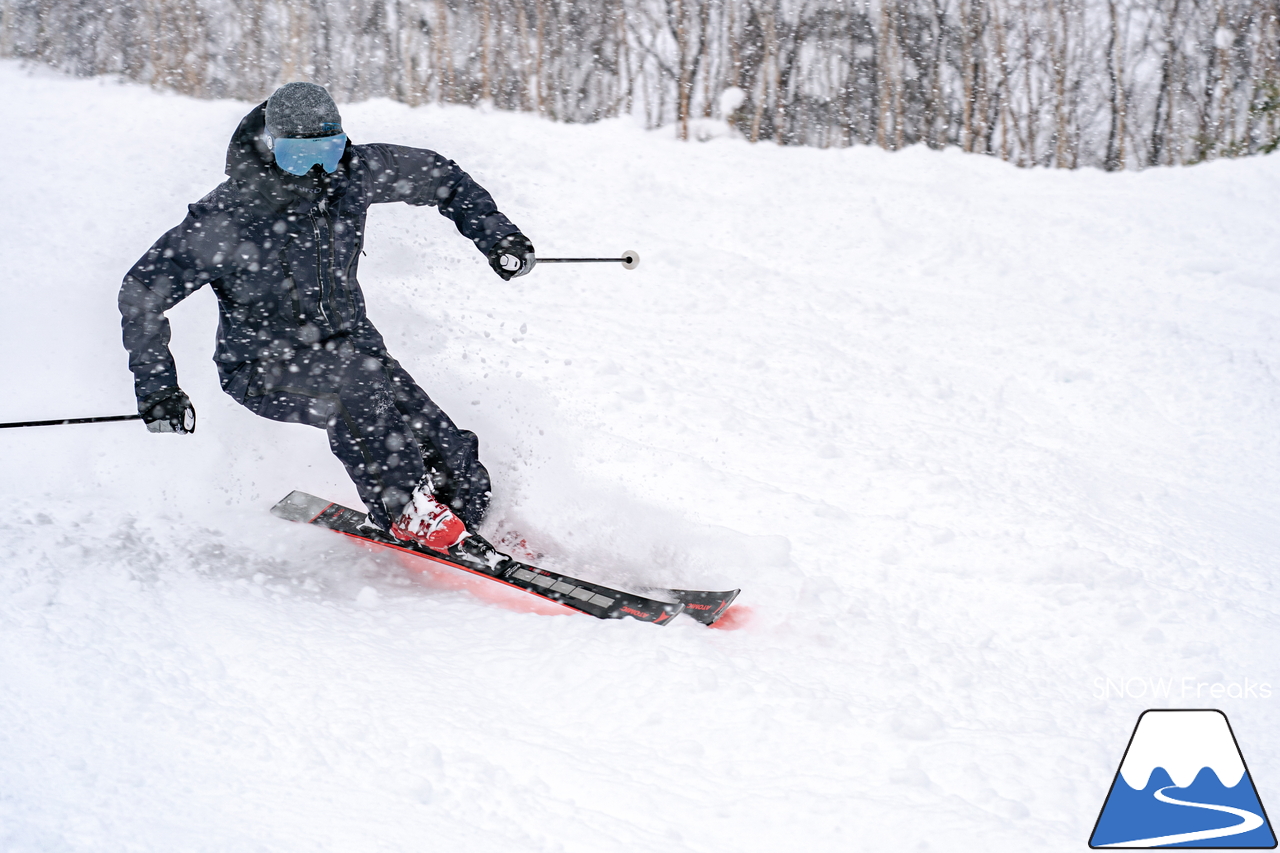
{"x": 381, "y": 425}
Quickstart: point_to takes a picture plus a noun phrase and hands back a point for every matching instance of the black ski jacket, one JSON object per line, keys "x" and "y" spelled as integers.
{"x": 283, "y": 262}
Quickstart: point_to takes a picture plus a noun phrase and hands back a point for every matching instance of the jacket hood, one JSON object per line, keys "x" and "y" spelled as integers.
{"x": 251, "y": 166}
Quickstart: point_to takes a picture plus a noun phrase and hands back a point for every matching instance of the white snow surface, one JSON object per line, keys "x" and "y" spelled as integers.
{"x": 989, "y": 451}
{"x": 1183, "y": 743}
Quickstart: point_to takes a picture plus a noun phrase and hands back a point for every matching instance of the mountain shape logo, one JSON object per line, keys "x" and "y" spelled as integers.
{"x": 1183, "y": 783}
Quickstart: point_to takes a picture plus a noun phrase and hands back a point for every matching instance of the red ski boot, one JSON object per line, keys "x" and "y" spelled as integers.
{"x": 429, "y": 523}
{"x": 432, "y": 525}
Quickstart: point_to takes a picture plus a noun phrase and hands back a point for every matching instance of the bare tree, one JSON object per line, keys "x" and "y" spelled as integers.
{"x": 1109, "y": 83}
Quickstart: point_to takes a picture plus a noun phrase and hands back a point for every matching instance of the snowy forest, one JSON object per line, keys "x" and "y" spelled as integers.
{"x": 1063, "y": 83}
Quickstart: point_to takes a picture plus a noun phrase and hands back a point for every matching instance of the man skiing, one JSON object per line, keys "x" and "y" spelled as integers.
{"x": 279, "y": 242}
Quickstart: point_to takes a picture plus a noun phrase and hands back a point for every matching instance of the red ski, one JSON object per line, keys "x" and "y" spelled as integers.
{"x": 582, "y": 596}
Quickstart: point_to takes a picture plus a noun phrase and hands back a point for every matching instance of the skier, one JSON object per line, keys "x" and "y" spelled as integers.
{"x": 279, "y": 242}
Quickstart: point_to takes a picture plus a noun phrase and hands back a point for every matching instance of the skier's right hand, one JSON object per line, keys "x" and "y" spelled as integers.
{"x": 168, "y": 410}
{"x": 513, "y": 256}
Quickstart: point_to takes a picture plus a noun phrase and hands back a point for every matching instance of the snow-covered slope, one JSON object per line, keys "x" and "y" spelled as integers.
{"x": 985, "y": 449}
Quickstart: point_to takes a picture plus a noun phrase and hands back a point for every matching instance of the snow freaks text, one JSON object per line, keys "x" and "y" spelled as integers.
{"x": 1148, "y": 687}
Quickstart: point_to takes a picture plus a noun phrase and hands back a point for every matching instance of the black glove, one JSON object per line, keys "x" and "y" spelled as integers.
{"x": 168, "y": 410}
{"x": 512, "y": 256}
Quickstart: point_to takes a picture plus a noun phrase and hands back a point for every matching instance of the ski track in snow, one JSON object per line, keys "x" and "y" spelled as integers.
{"x": 969, "y": 437}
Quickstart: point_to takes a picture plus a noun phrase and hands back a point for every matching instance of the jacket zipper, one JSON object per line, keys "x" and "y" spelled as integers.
{"x": 332, "y": 248}
{"x": 292, "y": 284}
{"x": 299, "y": 317}
{"x": 346, "y": 275}
{"x": 315, "y": 224}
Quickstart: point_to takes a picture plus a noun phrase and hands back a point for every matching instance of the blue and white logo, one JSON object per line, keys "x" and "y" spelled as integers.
{"x": 1183, "y": 783}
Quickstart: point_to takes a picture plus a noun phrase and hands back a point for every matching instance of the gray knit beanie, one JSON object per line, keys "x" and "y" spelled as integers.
{"x": 302, "y": 111}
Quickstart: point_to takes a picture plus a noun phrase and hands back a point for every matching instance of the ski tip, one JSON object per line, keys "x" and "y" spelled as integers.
{"x": 734, "y": 619}
{"x": 644, "y": 610}
{"x": 703, "y": 605}
{"x": 669, "y": 612}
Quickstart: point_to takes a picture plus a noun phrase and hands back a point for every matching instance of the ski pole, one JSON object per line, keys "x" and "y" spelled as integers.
{"x": 101, "y": 420}
{"x": 629, "y": 260}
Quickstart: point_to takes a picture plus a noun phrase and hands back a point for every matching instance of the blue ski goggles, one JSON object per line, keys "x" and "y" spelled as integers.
{"x": 297, "y": 156}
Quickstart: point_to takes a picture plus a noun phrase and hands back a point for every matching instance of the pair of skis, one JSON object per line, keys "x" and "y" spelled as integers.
{"x": 582, "y": 596}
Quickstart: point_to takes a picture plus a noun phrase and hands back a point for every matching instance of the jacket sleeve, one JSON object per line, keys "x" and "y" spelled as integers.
{"x": 418, "y": 176}
{"x": 185, "y": 259}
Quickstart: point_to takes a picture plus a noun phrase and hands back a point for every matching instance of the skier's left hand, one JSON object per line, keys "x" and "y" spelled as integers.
{"x": 512, "y": 256}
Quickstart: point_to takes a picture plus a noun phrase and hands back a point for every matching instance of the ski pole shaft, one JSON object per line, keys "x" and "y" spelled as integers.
{"x": 630, "y": 260}
{"x": 64, "y": 421}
